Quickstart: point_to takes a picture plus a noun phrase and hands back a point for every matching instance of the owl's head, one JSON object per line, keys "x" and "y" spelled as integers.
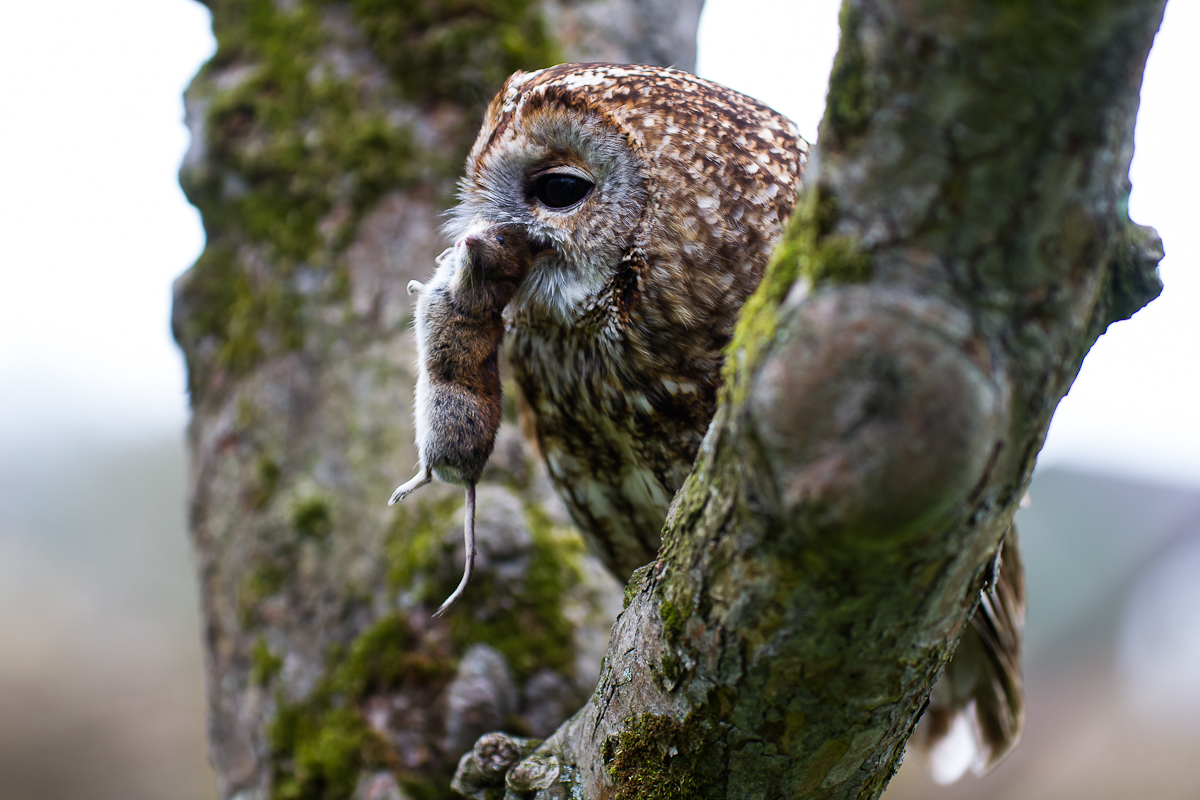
{"x": 620, "y": 167}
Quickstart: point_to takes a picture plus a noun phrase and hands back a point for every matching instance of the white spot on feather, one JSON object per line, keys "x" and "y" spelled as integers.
{"x": 589, "y": 78}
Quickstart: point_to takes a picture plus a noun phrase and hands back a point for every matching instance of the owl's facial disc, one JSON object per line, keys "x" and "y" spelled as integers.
{"x": 571, "y": 180}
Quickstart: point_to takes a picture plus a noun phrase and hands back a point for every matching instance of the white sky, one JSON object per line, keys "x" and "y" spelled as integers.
{"x": 93, "y": 226}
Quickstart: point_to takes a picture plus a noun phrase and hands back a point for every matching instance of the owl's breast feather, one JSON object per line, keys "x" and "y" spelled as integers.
{"x": 618, "y": 424}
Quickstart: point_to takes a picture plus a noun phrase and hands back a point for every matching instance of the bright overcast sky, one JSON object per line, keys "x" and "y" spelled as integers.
{"x": 93, "y": 227}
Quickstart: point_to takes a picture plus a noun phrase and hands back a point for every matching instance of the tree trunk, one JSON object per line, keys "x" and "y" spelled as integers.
{"x": 327, "y": 137}
{"x": 963, "y": 243}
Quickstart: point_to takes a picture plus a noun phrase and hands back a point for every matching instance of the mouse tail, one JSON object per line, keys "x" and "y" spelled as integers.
{"x": 469, "y": 566}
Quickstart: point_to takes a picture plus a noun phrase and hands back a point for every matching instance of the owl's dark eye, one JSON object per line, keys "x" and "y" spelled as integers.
{"x": 556, "y": 190}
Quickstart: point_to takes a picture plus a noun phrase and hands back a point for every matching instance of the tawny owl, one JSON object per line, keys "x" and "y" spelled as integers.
{"x": 652, "y": 200}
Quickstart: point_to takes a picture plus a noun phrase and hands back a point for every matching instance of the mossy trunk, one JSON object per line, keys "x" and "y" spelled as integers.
{"x": 963, "y": 241}
{"x": 327, "y": 137}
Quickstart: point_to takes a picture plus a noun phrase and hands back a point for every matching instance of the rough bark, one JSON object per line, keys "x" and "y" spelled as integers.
{"x": 963, "y": 242}
{"x": 327, "y": 137}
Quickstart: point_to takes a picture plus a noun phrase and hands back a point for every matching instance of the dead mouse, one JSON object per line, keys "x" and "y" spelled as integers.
{"x": 459, "y": 328}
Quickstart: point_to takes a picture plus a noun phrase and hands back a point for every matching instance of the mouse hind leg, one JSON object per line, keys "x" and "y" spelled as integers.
{"x": 405, "y": 489}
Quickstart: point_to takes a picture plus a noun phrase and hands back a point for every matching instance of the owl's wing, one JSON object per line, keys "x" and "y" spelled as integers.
{"x": 977, "y": 709}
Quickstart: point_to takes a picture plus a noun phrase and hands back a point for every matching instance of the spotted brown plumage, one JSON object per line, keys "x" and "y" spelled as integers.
{"x": 654, "y": 199}
{"x": 616, "y": 341}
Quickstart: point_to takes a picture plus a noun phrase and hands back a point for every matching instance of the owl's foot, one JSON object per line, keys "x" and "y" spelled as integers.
{"x": 404, "y": 490}
{"x": 415, "y": 287}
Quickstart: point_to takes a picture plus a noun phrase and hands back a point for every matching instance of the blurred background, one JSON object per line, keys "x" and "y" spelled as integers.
{"x": 101, "y": 688}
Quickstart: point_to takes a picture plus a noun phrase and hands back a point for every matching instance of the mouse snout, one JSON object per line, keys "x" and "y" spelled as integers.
{"x": 471, "y": 240}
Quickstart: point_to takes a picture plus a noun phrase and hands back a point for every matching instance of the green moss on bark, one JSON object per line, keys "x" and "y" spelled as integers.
{"x": 311, "y": 519}
{"x": 266, "y": 481}
{"x": 320, "y": 755}
{"x": 673, "y": 620}
{"x": 657, "y": 758}
{"x": 294, "y": 157}
{"x": 386, "y": 657}
{"x": 259, "y": 583}
{"x": 809, "y": 249}
{"x": 264, "y": 665}
{"x": 456, "y": 50}
{"x": 288, "y": 147}
{"x": 851, "y": 98}
{"x": 321, "y": 745}
{"x": 230, "y": 317}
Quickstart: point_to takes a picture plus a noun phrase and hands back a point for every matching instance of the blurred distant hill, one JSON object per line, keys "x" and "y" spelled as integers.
{"x": 1086, "y": 537}
{"x": 1090, "y": 543}
{"x": 100, "y": 670}
{"x": 101, "y": 687}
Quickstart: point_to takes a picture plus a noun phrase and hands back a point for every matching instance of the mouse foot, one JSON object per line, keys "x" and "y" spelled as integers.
{"x": 405, "y": 489}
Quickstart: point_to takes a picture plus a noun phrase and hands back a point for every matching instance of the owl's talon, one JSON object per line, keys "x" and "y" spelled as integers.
{"x": 414, "y": 287}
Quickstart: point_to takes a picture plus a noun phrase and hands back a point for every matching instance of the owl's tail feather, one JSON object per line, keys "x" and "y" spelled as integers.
{"x": 977, "y": 709}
